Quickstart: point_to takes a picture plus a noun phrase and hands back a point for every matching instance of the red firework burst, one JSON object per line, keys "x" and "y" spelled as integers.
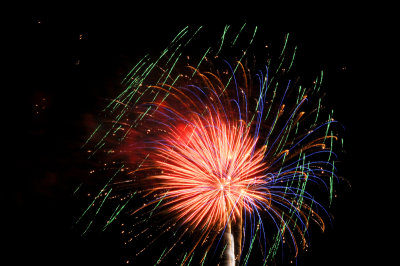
{"x": 211, "y": 170}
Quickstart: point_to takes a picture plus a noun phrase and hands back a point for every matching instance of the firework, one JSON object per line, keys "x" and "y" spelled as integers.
{"x": 217, "y": 156}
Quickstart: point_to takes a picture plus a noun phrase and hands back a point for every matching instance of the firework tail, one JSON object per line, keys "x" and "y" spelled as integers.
{"x": 233, "y": 240}
{"x": 238, "y": 231}
{"x": 228, "y": 258}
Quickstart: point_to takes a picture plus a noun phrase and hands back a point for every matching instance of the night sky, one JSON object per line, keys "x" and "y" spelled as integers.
{"x": 72, "y": 62}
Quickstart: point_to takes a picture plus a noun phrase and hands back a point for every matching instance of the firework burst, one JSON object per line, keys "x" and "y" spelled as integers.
{"x": 218, "y": 155}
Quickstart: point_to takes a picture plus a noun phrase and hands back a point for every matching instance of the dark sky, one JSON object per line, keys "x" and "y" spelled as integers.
{"x": 72, "y": 61}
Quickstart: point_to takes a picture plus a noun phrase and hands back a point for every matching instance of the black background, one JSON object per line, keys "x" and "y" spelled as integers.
{"x": 75, "y": 75}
